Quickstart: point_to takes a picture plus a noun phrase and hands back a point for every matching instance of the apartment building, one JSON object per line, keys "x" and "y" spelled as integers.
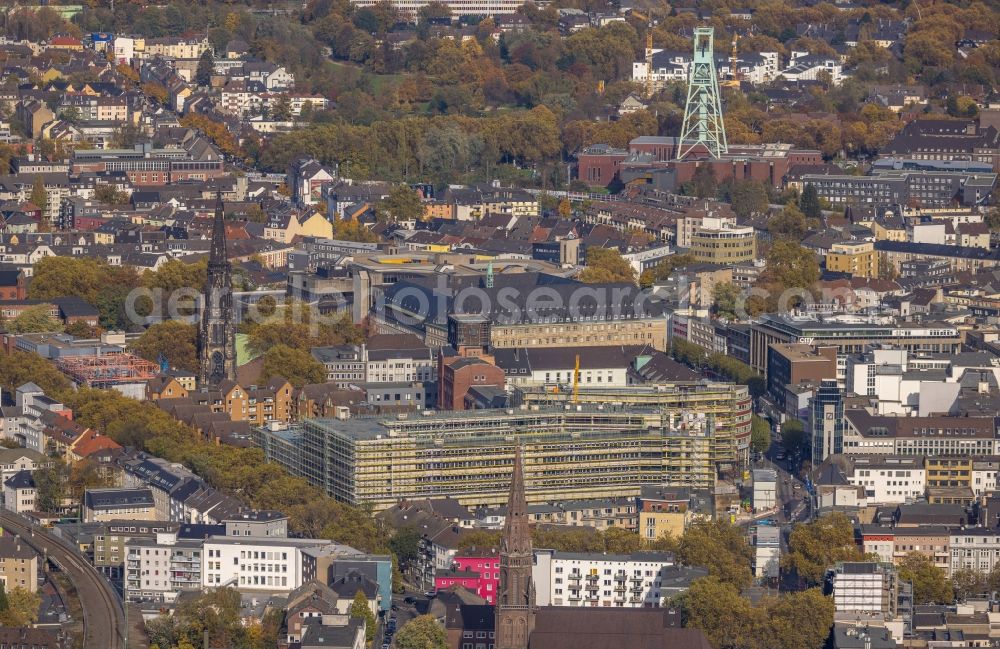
{"x": 856, "y": 258}
{"x": 460, "y": 454}
{"x": 112, "y": 503}
{"x": 638, "y": 580}
{"x": 162, "y": 567}
{"x": 890, "y": 479}
{"x": 664, "y": 511}
{"x": 18, "y": 565}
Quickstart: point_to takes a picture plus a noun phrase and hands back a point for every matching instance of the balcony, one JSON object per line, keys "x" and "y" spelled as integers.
{"x": 574, "y": 597}
{"x": 636, "y": 589}
{"x": 635, "y": 600}
{"x": 619, "y": 576}
{"x": 620, "y": 588}
{"x": 593, "y": 577}
{"x": 635, "y": 579}
{"x": 574, "y": 577}
{"x": 592, "y": 587}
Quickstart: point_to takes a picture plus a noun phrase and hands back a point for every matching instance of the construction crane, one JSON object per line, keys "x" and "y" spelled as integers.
{"x": 734, "y": 71}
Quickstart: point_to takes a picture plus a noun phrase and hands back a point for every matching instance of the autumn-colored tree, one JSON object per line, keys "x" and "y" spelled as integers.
{"x": 814, "y": 547}
{"x": 295, "y": 365}
{"x": 173, "y": 340}
{"x": 606, "y": 265}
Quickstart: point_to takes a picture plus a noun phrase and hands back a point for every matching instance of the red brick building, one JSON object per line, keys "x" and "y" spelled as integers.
{"x": 458, "y": 374}
{"x": 12, "y": 285}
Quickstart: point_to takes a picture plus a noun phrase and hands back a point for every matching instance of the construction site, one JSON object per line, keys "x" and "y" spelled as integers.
{"x": 123, "y": 372}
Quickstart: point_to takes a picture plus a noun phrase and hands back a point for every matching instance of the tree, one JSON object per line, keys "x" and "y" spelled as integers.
{"x": 968, "y": 582}
{"x": 22, "y": 608}
{"x": 282, "y": 109}
{"x": 565, "y": 209}
{"x": 18, "y": 368}
{"x": 790, "y": 224}
{"x": 351, "y": 230}
{"x": 606, "y": 265}
{"x": 361, "y": 609}
{"x": 930, "y": 584}
{"x": 206, "y": 66}
{"x": 725, "y": 296}
{"x": 726, "y": 618}
{"x": 809, "y": 202}
{"x": 106, "y": 193}
{"x": 50, "y": 483}
{"x": 40, "y": 198}
{"x": 34, "y": 319}
{"x": 789, "y": 265}
{"x": 422, "y": 633}
{"x": 814, "y": 547}
{"x": 664, "y": 269}
{"x": 703, "y": 181}
{"x": 719, "y": 546}
{"x": 760, "y": 434}
{"x": 405, "y": 543}
{"x": 748, "y": 198}
{"x": 992, "y": 219}
{"x": 296, "y": 365}
{"x": 402, "y": 204}
{"x": 793, "y": 435}
{"x": 171, "y": 339}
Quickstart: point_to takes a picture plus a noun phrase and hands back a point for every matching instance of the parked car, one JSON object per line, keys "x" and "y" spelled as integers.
{"x": 409, "y": 599}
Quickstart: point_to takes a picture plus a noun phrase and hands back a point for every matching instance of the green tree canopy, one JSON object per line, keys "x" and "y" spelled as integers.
{"x": 793, "y": 435}
{"x": 790, "y": 224}
{"x": 809, "y": 202}
{"x": 748, "y": 198}
{"x": 360, "y": 608}
{"x": 35, "y": 319}
{"x": 930, "y": 583}
{"x": 422, "y": 633}
{"x": 18, "y": 368}
{"x": 175, "y": 340}
{"x": 22, "y": 608}
{"x": 814, "y": 547}
{"x": 606, "y": 265}
{"x": 206, "y": 66}
{"x": 719, "y": 546}
{"x": 296, "y": 365}
{"x": 402, "y": 204}
{"x": 760, "y": 434}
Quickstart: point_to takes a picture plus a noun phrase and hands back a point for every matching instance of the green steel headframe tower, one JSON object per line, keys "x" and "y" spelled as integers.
{"x": 703, "y": 124}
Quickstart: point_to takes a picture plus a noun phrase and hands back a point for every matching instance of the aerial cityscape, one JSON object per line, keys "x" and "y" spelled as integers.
{"x": 500, "y": 324}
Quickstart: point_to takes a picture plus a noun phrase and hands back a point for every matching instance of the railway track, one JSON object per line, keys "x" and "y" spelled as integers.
{"x": 103, "y": 619}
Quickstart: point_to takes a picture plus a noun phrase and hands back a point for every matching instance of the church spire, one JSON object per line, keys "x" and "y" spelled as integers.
{"x": 218, "y": 256}
{"x": 515, "y": 609}
{"x": 217, "y": 331}
{"x": 516, "y": 533}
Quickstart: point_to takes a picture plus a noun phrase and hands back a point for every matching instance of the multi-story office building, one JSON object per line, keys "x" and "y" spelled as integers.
{"x": 255, "y": 563}
{"x": 719, "y": 240}
{"x": 826, "y": 421}
{"x": 621, "y": 580}
{"x": 864, "y": 433}
{"x": 905, "y": 187}
{"x": 850, "y": 335}
{"x": 587, "y": 451}
{"x": 792, "y": 363}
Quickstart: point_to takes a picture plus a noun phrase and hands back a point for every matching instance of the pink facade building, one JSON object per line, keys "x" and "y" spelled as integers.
{"x": 477, "y": 573}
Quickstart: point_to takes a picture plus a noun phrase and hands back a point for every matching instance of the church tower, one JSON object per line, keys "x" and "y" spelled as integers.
{"x": 515, "y": 609}
{"x": 217, "y": 333}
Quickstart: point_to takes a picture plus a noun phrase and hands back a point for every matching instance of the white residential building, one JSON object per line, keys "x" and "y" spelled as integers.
{"x": 888, "y": 480}
{"x": 594, "y": 579}
{"x": 255, "y": 564}
{"x": 23, "y": 422}
{"x": 19, "y": 493}
{"x": 865, "y": 588}
{"x": 160, "y": 568}
{"x": 756, "y": 68}
{"x": 804, "y": 66}
{"x": 975, "y": 548}
{"x": 984, "y": 475}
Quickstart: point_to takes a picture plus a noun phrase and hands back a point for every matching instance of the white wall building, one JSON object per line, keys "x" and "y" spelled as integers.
{"x": 888, "y": 480}
{"x": 807, "y": 67}
{"x": 865, "y": 588}
{"x": 765, "y": 489}
{"x": 160, "y": 568}
{"x": 975, "y": 548}
{"x": 767, "y": 551}
{"x": 594, "y": 579}
{"x": 255, "y": 564}
{"x": 984, "y": 475}
{"x": 458, "y": 7}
